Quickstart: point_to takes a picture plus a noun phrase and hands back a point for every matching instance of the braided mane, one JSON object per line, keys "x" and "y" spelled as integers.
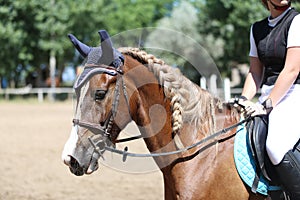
{"x": 189, "y": 102}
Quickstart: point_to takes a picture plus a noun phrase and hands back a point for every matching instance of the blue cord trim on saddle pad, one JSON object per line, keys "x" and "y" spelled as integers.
{"x": 245, "y": 163}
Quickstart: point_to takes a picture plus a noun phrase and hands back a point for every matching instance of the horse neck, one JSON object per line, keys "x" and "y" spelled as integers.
{"x": 152, "y": 112}
{"x": 150, "y": 109}
{"x": 228, "y": 116}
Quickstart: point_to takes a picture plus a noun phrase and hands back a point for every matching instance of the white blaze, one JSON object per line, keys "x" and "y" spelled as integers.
{"x": 70, "y": 144}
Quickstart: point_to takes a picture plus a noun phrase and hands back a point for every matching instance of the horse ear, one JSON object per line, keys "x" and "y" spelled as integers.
{"x": 83, "y": 49}
{"x": 107, "y": 56}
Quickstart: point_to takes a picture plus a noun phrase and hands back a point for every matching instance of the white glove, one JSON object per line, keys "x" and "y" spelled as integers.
{"x": 248, "y": 108}
{"x": 252, "y": 109}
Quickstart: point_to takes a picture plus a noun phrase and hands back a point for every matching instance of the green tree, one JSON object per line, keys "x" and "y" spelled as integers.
{"x": 113, "y": 15}
{"x": 32, "y": 31}
{"x": 182, "y": 45}
{"x": 122, "y": 15}
{"x": 16, "y": 29}
{"x": 230, "y": 21}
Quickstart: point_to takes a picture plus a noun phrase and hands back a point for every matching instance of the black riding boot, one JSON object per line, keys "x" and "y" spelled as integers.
{"x": 289, "y": 173}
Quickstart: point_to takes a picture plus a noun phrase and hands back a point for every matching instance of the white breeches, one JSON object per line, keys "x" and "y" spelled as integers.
{"x": 284, "y": 123}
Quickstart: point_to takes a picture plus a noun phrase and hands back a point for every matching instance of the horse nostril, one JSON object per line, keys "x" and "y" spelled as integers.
{"x": 73, "y": 163}
{"x": 75, "y": 167}
{"x": 67, "y": 160}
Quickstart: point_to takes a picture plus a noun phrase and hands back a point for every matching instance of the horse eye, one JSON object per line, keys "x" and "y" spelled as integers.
{"x": 99, "y": 95}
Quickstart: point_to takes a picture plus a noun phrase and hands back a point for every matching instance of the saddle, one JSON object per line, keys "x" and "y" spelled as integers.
{"x": 257, "y": 129}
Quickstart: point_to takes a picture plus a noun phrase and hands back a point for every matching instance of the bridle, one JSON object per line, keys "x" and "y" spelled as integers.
{"x": 105, "y": 129}
{"x": 100, "y": 146}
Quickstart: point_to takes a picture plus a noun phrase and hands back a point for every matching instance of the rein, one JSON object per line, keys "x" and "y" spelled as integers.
{"x": 125, "y": 152}
{"x": 101, "y": 145}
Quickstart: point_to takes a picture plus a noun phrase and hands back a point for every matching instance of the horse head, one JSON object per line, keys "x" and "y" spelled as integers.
{"x": 98, "y": 95}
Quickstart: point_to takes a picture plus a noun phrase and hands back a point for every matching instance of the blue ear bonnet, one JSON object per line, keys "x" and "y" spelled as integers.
{"x": 104, "y": 54}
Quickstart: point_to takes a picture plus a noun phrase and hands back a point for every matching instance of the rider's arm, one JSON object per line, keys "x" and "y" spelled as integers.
{"x": 287, "y": 76}
{"x": 253, "y": 79}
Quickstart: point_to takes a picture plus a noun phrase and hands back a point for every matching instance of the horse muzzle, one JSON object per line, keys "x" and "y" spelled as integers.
{"x": 79, "y": 169}
{"x": 79, "y": 154}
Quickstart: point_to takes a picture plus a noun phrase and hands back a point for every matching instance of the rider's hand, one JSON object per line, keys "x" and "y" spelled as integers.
{"x": 252, "y": 109}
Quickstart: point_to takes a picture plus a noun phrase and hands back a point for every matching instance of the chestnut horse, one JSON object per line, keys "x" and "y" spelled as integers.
{"x": 172, "y": 113}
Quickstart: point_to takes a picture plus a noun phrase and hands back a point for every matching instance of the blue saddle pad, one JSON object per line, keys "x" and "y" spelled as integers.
{"x": 245, "y": 163}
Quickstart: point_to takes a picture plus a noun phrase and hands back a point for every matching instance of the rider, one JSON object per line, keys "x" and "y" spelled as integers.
{"x": 275, "y": 66}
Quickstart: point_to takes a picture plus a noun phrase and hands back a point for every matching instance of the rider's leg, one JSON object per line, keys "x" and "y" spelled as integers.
{"x": 283, "y": 134}
{"x": 289, "y": 173}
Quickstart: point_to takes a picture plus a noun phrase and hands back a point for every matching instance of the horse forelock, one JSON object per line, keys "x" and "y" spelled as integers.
{"x": 189, "y": 103}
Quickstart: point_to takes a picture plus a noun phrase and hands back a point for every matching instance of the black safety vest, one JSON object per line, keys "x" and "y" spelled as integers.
{"x": 271, "y": 43}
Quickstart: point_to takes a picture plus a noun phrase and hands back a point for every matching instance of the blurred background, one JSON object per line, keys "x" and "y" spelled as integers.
{"x": 36, "y": 53}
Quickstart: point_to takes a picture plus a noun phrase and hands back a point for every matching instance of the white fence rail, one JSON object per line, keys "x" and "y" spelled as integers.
{"x": 38, "y": 91}
{"x": 226, "y": 92}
